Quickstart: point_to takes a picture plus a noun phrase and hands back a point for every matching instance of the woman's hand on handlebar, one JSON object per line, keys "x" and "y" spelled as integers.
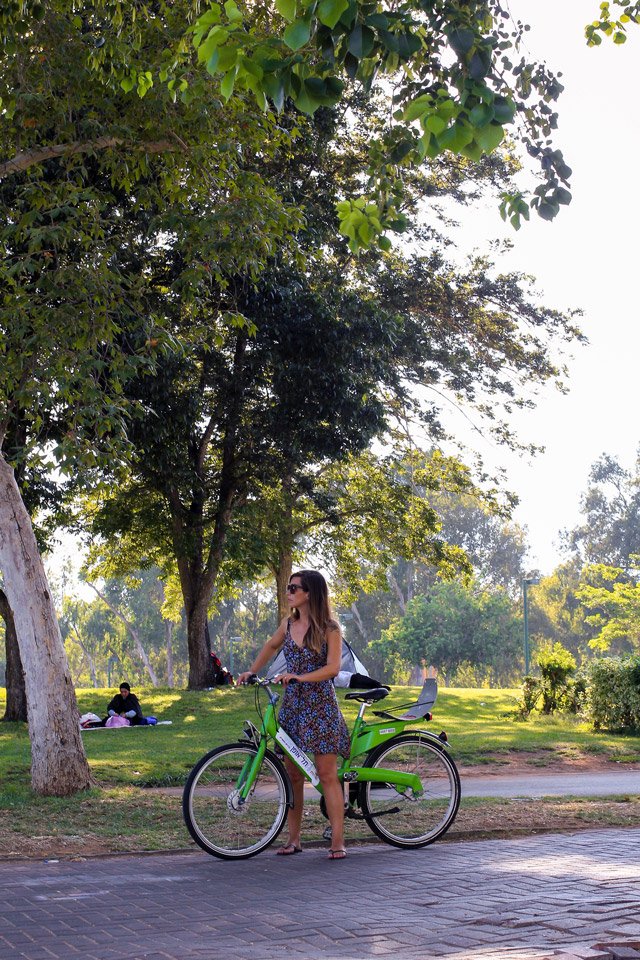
{"x": 244, "y": 677}
{"x": 286, "y": 678}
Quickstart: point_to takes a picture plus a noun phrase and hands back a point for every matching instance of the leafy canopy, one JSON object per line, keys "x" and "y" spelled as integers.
{"x": 458, "y": 76}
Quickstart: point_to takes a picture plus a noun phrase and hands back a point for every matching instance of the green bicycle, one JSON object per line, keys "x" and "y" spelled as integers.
{"x": 236, "y": 798}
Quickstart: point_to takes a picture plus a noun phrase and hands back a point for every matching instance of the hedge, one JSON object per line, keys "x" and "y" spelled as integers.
{"x": 613, "y": 700}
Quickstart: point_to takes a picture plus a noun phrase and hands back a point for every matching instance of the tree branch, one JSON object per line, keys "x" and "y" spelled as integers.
{"x": 29, "y": 158}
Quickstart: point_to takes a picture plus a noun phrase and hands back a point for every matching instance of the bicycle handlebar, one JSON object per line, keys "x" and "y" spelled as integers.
{"x": 255, "y": 680}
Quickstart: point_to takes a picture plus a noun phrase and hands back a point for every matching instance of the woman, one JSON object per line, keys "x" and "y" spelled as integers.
{"x": 125, "y": 704}
{"x": 310, "y": 713}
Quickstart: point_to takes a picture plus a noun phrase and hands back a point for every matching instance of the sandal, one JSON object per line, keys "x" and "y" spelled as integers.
{"x": 288, "y": 850}
{"x": 338, "y": 854}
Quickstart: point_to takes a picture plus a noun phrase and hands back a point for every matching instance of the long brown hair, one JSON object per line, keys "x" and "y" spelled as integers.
{"x": 320, "y": 614}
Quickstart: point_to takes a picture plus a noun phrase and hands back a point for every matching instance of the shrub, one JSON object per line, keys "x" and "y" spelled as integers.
{"x": 529, "y": 699}
{"x": 613, "y": 699}
{"x": 556, "y": 687}
{"x": 556, "y": 665}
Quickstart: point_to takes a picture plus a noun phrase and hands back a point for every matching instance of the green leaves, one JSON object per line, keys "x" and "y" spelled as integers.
{"x": 232, "y": 12}
{"x": 361, "y": 41}
{"x": 287, "y": 9}
{"x": 452, "y": 72}
{"x": 297, "y": 34}
{"x": 610, "y": 27}
{"x": 360, "y": 221}
{"x": 489, "y": 137}
{"x": 515, "y": 207}
{"x": 461, "y": 40}
{"x": 330, "y": 11}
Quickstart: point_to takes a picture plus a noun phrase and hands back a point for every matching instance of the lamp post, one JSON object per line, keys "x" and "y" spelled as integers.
{"x": 527, "y": 582}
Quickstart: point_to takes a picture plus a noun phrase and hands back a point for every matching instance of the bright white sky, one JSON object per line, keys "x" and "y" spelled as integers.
{"x": 587, "y": 257}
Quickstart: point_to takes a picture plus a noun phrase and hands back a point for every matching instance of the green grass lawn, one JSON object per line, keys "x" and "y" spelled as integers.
{"x": 121, "y": 816}
{"x": 476, "y": 722}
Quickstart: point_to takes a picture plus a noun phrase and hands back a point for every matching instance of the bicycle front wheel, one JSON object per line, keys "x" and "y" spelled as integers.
{"x": 394, "y": 813}
{"x": 215, "y": 815}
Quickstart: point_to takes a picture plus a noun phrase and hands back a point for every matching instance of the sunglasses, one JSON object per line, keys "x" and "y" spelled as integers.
{"x": 294, "y": 587}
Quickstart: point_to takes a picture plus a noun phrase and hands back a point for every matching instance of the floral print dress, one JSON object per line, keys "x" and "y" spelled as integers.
{"x": 310, "y": 713}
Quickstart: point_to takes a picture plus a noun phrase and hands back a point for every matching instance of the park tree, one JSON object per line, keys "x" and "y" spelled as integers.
{"x": 357, "y": 516}
{"x": 586, "y": 604}
{"x": 489, "y": 547}
{"x": 77, "y": 152}
{"x": 495, "y": 545}
{"x": 456, "y": 626}
{"x": 556, "y": 612}
{"x": 125, "y": 626}
{"x": 611, "y": 605}
{"x": 222, "y": 419}
{"x": 246, "y": 418}
{"x": 610, "y": 531}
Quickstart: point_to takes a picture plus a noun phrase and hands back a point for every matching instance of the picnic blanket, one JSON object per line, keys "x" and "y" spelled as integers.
{"x": 91, "y": 721}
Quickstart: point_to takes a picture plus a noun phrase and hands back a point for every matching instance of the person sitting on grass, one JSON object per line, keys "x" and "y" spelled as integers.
{"x": 125, "y": 704}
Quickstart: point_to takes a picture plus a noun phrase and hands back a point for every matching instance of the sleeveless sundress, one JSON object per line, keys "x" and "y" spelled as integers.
{"x": 310, "y": 713}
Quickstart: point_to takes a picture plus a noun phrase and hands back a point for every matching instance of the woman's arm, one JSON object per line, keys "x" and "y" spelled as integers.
{"x": 328, "y": 672}
{"x": 267, "y": 653}
{"x": 135, "y": 710}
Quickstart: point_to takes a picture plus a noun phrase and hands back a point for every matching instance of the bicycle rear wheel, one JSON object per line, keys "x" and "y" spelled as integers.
{"x": 394, "y": 813}
{"x": 215, "y": 815}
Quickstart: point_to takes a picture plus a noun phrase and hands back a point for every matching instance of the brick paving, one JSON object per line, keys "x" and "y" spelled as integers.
{"x": 566, "y": 897}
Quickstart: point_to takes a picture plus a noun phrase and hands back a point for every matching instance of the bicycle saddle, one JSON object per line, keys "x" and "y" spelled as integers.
{"x": 368, "y": 696}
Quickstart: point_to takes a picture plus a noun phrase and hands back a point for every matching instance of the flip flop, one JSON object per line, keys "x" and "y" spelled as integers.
{"x": 288, "y": 850}
{"x": 338, "y": 854}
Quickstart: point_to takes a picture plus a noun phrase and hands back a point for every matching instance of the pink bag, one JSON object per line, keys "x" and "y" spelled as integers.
{"x": 117, "y": 721}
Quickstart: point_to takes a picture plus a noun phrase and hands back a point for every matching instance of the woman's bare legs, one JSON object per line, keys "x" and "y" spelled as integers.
{"x": 327, "y": 767}
{"x": 294, "y": 816}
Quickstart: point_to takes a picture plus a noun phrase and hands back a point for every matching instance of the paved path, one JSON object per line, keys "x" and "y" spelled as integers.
{"x": 553, "y": 785}
{"x": 561, "y": 896}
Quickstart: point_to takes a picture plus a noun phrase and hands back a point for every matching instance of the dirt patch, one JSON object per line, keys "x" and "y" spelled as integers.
{"x": 47, "y": 848}
{"x": 513, "y": 818}
{"x": 514, "y": 763}
{"x": 478, "y": 819}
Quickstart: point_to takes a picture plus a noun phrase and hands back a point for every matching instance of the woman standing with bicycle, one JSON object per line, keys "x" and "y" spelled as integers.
{"x": 310, "y": 713}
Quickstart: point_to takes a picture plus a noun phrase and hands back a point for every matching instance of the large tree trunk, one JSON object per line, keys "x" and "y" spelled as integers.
{"x": 16, "y": 708}
{"x": 199, "y": 649}
{"x": 198, "y": 575}
{"x": 58, "y": 762}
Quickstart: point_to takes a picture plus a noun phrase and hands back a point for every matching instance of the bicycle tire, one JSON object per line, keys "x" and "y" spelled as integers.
{"x": 216, "y": 822}
{"x": 396, "y": 816}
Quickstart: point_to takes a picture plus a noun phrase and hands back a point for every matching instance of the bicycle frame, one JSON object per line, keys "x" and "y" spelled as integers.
{"x": 364, "y": 738}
